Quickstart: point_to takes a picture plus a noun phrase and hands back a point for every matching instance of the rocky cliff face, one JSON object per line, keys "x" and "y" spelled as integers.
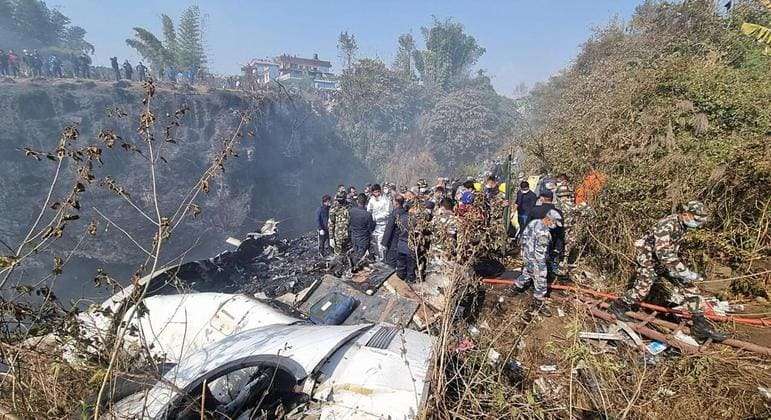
{"x": 293, "y": 157}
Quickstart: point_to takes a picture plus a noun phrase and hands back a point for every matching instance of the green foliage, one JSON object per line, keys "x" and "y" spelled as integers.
{"x": 32, "y": 24}
{"x": 151, "y": 49}
{"x": 191, "y": 55}
{"x": 347, "y": 45}
{"x": 443, "y": 122}
{"x": 375, "y": 108}
{"x": 674, "y": 106}
{"x": 169, "y": 36}
{"x": 404, "y": 61}
{"x": 449, "y": 54}
{"x": 466, "y": 122}
{"x": 181, "y": 49}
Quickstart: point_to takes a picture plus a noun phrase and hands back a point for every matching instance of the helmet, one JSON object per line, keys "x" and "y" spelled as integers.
{"x": 467, "y": 197}
{"x": 696, "y": 208}
{"x": 555, "y": 216}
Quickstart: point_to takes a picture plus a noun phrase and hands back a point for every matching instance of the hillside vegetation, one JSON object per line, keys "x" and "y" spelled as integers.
{"x": 671, "y": 106}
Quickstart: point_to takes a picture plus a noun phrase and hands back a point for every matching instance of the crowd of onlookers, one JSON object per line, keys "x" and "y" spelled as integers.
{"x": 416, "y": 229}
{"x": 33, "y": 63}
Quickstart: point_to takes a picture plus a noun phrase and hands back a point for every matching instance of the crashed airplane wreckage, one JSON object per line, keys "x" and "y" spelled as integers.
{"x": 327, "y": 348}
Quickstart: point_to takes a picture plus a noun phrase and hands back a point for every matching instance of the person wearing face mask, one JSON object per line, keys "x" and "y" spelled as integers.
{"x": 656, "y": 252}
{"x": 491, "y": 188}
{"x": 535, "y": 246}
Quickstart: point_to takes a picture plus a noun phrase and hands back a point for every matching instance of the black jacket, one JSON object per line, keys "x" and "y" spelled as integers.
{"x": 396, "y": 234}
{"x": 361, "y": 226}
{"x": 322, "y": 218}
{"x": 558, "y": 234}
{"x": 525, "y": 202}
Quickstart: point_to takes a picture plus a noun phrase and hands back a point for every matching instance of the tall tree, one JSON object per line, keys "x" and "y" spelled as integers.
{"x": 31, "y": 24}
{"x": 449, "y": 55}
{"x": 169, "y": 36}
{"x": 151, "y": 49}
{"x": 346, "y": 43}
{"x": 403, "y": 62}
{"x": 191, "y": 54}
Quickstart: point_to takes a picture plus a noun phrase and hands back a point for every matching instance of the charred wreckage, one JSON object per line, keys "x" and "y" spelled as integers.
{"x": 265, "y": 331}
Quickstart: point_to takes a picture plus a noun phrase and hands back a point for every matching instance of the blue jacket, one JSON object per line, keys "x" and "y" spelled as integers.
{"x": 322, "y": 218}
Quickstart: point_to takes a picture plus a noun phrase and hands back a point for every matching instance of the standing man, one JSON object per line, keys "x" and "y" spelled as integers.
{"x": 56, "y": 67}
{"x": 535, "y": 246}
{"x": 390, "y": 245}
{"x": 115, "y": 69}
{"x": 85, "y": 65}
{"x": 361, "y": 227}
{"x": 322, "y": 224}
{"x": 352, "y": 194}
{"x": 13, "y": 64}
{"x": 128, "y": 71}
{"x": 656, "y": 252}
{"x": 557, "y": 246}
{"x": 379, "y": 206}
{"x": 339, "y": 219}
{"x": 565, "y": 201}
{"x": 3, "y": 63}
{"x": 397, "y": 235}
{"x": 142, "y": 75}
{"x": 524, "y": 204}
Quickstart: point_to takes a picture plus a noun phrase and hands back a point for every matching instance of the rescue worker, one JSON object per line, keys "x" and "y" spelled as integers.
{"x": 657, "y": 252}
{"x": 352, "y": 194}
{"x": 360, "y": 228}
{"x": 338, "y": 225}
{"x": 422, "y": 187}
{"x": 444, "y": 232}
{"x": 524, "y": 203}
{"x": 565, "y": 201}
{"x": 379, "y": 206}
{"x": 397, "y": 236}
{"x": 557, "y": 245}
{"x": 322, "y": 224}
{"x": 535, "y": 245}
{"x": 390, "y": 245}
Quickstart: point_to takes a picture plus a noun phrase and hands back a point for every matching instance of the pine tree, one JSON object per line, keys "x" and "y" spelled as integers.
{"x": 191, "y": 55}
{"x": 170, "y": 37}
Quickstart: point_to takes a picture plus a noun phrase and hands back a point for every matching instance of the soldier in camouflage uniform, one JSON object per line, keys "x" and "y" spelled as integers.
{"x": 657, "y": 251}
{"x": 338, "y": 224}
{"x": 535, "y": 243}
{"x": 444, "y": 231}
{"x": 565, "y": 201}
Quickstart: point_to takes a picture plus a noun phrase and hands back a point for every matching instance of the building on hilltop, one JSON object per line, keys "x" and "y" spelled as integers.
{"x": 260, "y": 71}
{"x": 290, "y": 68}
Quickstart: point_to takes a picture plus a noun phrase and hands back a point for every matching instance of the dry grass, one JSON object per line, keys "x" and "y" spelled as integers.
{"x": 590, "y": 381}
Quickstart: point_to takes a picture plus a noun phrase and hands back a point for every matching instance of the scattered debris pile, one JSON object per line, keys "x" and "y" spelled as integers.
{"x": 261, "y": 264}
{"x": 580, "y": 362}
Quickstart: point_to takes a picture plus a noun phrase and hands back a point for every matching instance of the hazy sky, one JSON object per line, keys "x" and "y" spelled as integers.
{"x": 526, "y": 41}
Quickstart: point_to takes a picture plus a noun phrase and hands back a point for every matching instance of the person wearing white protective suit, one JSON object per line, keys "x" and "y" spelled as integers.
{"x": 379, "y": 206}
